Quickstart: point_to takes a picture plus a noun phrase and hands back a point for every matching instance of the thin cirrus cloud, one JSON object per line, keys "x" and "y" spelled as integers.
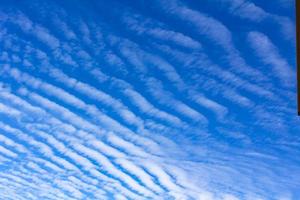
{"x": 147, "y": 100}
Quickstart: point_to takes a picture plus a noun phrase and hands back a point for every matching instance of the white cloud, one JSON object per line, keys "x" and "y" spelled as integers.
{"x": 269, "y": 55}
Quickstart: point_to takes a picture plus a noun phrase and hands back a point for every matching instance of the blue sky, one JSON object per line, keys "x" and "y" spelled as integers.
{"x": 161, "y": 99}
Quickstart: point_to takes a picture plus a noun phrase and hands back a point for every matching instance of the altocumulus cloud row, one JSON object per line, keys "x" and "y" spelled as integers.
{"x": 162, "y": 99}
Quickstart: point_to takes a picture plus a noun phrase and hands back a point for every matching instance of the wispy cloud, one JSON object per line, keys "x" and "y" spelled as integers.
{"x": 268, "y": 53}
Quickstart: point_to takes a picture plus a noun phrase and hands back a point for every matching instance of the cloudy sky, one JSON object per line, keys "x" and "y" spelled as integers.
{"x": 160, "y": 99}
